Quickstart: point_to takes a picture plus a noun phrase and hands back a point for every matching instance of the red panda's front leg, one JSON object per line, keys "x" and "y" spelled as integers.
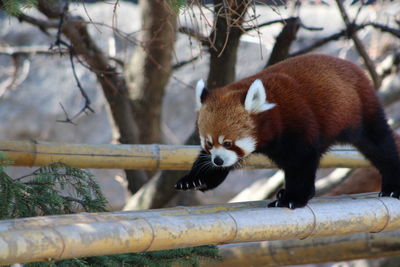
{"x": 204, "y": 175}
{"x": 299, "y": 181}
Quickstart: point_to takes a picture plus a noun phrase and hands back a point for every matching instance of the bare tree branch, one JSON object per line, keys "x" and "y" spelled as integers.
{"x": 268, "y": 23}
{"x": 185, "y": 62}
{"x": 284, "y": 21}
{"x": 112, "y": 83}
{"x": 43, "y": 25}
{"x": 59, "y": 42}
{"x": 81, "y": 90}
{"x": 359, "y": 45}
{"x": 228, "y": 18}
{"x": 195, "y": 34}
{"x": 385, "y": 28}
{"x": 67, "y": 119}
{"x": 319, "y": 43}
{"x": 344, "y": 33}
{"x": 30, "y": 50}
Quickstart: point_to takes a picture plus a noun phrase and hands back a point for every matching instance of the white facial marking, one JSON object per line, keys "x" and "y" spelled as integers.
{"x": 210, "y": 139}
{"x": 199, "y": 90}
{"x": 221, "y": 139}
{"x": 256, "y": 98}
{"x": 203, "y": 142}
{"x": 247, "y": 144}
{"x": 228, "y": 156}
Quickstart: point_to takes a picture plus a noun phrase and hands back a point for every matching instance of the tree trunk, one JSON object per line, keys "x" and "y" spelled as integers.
{"x": 149, "y": 69}
{"x": 148, "y": 72}
{"x": 284, "y": 40}
{"x": 225, "y": 39}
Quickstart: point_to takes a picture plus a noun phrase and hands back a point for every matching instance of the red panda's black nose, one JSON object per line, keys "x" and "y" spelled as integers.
{"x": 218, "y": 161}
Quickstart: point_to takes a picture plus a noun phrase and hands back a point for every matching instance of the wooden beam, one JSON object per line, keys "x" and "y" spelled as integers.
{"x": 310, "y": 251}
{"x": 145, "y": 157}
{"x": 80, "y": 235}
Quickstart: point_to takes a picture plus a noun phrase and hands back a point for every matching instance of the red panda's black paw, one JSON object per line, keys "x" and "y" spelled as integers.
{"x": 282, "y": 204}
{"x": 390, "y": 194}
{"x": 187, "y": 184}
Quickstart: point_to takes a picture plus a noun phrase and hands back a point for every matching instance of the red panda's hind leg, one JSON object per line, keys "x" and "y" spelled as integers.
{"x": 203, "y": 176}
{"x": 378, "y": 146}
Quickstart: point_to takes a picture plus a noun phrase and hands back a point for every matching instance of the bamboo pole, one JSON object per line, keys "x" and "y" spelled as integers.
{"x": 79, "y": 235}
{"x": 146, "y": 157}
{"x": 313, "y": 250}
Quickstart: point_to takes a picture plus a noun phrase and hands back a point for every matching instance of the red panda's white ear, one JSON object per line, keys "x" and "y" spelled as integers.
{"x": 256, "y": 98}
{"x": 201, "y": 93}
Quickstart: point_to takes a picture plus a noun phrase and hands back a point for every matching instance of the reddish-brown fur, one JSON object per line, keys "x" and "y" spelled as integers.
{"x": 321, "y": 105}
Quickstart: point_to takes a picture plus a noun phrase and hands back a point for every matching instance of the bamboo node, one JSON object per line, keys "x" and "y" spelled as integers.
{"x": 236, "y": 227}
{"x": 387, "y": 216}
{"x": 152, "y": 233}
{"x": 314, "y": 223}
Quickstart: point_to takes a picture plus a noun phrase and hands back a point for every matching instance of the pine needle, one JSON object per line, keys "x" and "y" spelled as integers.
{"x": 60, "y": 189}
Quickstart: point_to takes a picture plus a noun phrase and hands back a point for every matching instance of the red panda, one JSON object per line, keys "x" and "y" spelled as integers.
{"x": 292, "y": 112}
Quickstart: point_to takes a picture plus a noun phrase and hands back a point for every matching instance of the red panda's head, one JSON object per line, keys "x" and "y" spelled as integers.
{"x": 227, "y": 130}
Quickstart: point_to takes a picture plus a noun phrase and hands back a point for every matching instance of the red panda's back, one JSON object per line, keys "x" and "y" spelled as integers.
{"x": 335, "y": 92}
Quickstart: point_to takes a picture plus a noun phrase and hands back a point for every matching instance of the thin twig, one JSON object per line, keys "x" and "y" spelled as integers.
{"x": 82, "y": 91}
{"x": 59, "y": 42}
{"x": 30, "y": 50}
{"x": 43, "y": 25}
{"x": 184, "y": 62}
{"x": 284, "y": 21}
{"x": 60, "y": 25}
{"x": 344, "y": 33}
{"x": 196, "y": 35}
{"x": 385, "y": 28}
{"x": 79, "y": 85}
{"x": 247, "y": 29}
{"x": 67, "y": 118}
{"x": 319, "y": 43}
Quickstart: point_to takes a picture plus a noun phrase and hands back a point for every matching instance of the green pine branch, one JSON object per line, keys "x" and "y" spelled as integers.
{"x": 60, "y": 189}
{"x": 50, "y": 190}
{"x": 15, "y": 7}
{"x": 177, "y": 5}
{"x": 165, "y": 258}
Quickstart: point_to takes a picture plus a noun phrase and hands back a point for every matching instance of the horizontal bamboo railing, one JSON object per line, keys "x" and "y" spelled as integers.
{"x": 311, "y": 250}
{"x": 78, "y": 235}
{"x": 147, "y": 157}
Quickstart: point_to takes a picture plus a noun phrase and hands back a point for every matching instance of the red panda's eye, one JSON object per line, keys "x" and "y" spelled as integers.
{"x": 209, "y": 143}
{"x": 227, "y": 144}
